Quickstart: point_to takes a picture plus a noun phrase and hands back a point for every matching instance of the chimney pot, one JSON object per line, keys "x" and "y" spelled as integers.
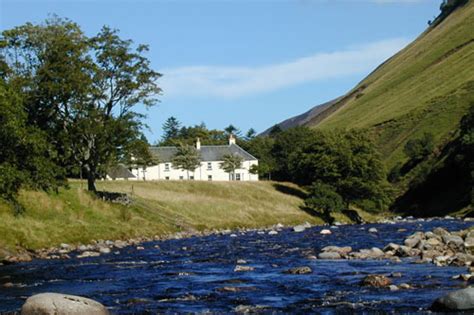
{"x": 198, "y": 144}
{"x": 231, "y": 139}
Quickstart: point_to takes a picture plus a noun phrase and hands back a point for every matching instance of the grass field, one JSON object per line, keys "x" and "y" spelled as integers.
{"x": 159, "y": 208}
{"x": 426, "y": 87}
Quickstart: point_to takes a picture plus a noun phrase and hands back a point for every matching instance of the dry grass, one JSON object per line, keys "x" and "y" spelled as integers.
{"x": 159, "y": 208}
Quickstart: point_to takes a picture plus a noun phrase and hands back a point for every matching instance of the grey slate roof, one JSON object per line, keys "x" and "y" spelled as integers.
{"x": 208, "y": 153}
{"x": 120, "y": 171}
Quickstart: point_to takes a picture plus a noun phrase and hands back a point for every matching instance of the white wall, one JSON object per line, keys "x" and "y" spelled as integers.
{"x": 160, "y": 172}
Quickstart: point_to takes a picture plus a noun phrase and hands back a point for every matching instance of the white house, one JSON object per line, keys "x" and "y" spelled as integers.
{"x": 210, "y": 169}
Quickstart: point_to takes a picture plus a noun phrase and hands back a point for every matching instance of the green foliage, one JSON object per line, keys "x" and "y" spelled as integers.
{"x": 171, "y": 128}
{"x": 346, "y": 160}
{"x": 286, "y": 145}
{"x": 186, "y": 158}
{"x": 395, "y": 173}
{"x": 25, "y": 155}
{"x": 188, "y": 135}
{"x": 467, "y": 147}
{"x": 323, "y": 198}
{"x": 81, "y": 91}
{"x": 251, "y": 134}
{"x": 231, "y": 163}
{"x": 419, "y": 149}
{"x": 232, "y": 130}
{"x": 261, "y": 147}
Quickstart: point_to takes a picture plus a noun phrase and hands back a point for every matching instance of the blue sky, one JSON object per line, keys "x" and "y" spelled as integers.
{"x": 249, "y": 63}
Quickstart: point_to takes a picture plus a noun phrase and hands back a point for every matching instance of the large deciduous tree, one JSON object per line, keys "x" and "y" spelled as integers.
{"x": 25, "y": 154}
{"x": 83, "y": 92}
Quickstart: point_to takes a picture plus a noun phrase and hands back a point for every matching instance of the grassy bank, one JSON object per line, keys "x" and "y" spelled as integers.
{"x": 159, "y": 208}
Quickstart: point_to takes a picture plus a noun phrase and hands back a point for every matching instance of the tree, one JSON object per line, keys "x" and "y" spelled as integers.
{"x": 139, "y": 154}
{"x": 251, "y": 134}
{"x": 466, "y": 156}
{"x": 275, "y": 130}
{"x": 261, "y": 147}
{"x": 25, "y": 154}
{"x": 231, "y": 163}
{"x": 81, "y": 91}
{"x": 186, "y": 158}
{"x": 324, "y": 199}
{"x": 286, "y": 145}
{"x": 347, "y": 161}
{"x": 171, "y": 128}
{"x": 418, "y": 149}
{"x": 232, "y": 130}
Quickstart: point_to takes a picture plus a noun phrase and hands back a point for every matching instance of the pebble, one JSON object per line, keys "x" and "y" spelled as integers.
{"x": 240, "y": 268}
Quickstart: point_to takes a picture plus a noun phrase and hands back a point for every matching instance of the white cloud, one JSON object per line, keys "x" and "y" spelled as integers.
{"x": 233, "y": 82}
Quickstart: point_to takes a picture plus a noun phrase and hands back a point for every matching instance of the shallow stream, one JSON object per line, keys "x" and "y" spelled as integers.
{"x": 197, "y": 274}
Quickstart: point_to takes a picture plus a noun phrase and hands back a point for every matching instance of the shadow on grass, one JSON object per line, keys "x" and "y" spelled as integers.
{"x": 292, "y": 191}
{"x": 299, "y": 193}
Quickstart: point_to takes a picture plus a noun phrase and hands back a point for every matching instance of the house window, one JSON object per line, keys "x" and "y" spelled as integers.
{"x": 181, "y": 177}
{"x": 209, "y": 177}
{"x": 167, "y": 167}
{"x": 209, "y": 166}
{"x": 237, "y": 176}
{"x": 167, "y": 178}
{"x": 191, "y": 177}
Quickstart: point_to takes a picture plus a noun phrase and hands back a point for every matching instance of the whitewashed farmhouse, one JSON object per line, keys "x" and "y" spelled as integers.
{"x": 210, "y": 169}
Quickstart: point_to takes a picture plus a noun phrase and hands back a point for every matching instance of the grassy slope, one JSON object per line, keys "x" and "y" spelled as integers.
{"x": 426, "y": 87}
{"x": 159, "y": 208}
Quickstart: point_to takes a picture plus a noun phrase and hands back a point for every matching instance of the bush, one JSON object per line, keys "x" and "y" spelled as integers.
{"x": 324, "y": 199}
{"x": 418, "y": 149}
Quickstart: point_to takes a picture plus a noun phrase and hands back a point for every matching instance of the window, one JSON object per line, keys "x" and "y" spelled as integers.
{"x": 181, "y": 178}
{"x": 167, "y": 178}
{"x": 209, "y": 177}
{"x": 167, "y": 167}
{"x": 191, "y": 177}
{"x": 209, "y": 166}
{"x": 237, "y": 176}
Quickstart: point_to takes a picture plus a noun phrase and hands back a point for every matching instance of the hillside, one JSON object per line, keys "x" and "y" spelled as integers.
{"x": 426, "y": 87}
{"x": 159, "y": 208}
{"x": 304, "y": 118}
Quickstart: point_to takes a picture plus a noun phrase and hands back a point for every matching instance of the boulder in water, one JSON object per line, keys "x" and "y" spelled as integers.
{"x": 299, "y": 270}
{"x": 378, "y": 281}
{"x": 460, "y": 300}
{"x": 61, "y": 304}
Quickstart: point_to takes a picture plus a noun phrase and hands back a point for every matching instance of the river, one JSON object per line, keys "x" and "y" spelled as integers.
{"x": 197, "y": 274}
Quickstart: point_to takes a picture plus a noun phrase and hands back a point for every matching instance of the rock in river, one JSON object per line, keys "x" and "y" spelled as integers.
{"x": 377, "y": 281}
{"x": 61, "y": 304}
{"x": 460, "y": 300}
{"x": 329, "y": 255}
{"x": 299, "y": 270}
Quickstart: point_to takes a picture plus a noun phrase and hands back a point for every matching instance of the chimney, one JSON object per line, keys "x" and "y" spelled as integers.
{"x": 198, "y": 144}
{"x": 231, "y": 139}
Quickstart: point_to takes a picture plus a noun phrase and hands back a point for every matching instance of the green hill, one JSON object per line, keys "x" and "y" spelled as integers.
{"x": 426, "y": 87}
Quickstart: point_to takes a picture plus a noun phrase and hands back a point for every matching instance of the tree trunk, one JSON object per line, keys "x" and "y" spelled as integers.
{"x": 91, "y": 179}
{"x": 91, "y": 183}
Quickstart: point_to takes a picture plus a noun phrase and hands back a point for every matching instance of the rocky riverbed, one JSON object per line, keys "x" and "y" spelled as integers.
{"x": 395, "y": 266}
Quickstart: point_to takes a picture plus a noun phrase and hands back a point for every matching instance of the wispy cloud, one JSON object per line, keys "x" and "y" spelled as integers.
{"x": 234, "y": 82}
